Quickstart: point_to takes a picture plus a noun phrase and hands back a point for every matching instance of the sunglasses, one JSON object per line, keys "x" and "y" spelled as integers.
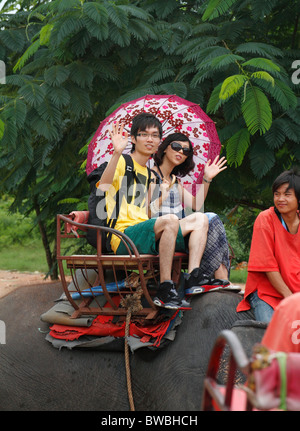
{"x": 176, "y": 146}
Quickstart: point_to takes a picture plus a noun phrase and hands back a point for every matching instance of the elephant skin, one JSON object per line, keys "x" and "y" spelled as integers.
{"x": 249, "y": 332}
{"x": 37, "y": 377}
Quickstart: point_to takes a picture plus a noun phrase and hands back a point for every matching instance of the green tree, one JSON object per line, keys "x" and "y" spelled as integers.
{"x": 70, "y": 62}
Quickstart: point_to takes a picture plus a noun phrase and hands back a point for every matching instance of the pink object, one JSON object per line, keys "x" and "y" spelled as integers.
{"x": 78, "y": 217}
{"x": 176, "y": 115}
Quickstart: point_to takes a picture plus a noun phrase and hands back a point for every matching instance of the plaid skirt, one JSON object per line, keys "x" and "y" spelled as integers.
{"x": 216, "y": 250}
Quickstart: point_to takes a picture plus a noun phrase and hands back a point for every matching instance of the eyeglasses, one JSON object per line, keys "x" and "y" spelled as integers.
{"x": 176, "y": 146}
{"x": 154, "y": 136}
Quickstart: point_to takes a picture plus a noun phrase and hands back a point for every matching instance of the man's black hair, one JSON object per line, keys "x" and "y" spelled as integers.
{"x": 142, "y": 122}
{"x": 290, "y": 177}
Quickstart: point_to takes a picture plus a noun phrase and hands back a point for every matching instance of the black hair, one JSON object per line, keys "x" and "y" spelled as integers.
{"x": 290, "y": 177}
{"x": 184, "y": 168}
{"x": 143, "y": 121}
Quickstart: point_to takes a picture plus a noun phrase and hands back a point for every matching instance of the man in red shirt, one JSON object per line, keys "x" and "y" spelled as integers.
{"x": 274, "y": 261}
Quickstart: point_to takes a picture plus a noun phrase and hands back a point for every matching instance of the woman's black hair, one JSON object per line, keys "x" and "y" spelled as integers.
{"x": 143, "y": 121}
{"x": 184, "y": 168}
{"x": 290, "y": 177}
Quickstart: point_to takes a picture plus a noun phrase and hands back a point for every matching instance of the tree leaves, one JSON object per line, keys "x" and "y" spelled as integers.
{"x": 80, "y": 73}
{"x": 237, "y": 146}
{"x": 30, "y": 51}
{"x": 56, "y": 75}
{"x": 262, "y": 49}
{"x": 216, "y": 8}
{"x": 262, "y": 158}
{"x": 231, "y": 86}
{"x": 13, "y": 39}
{"x": 74, "y": 60}
{"x": 32, "y": 93}
{"x": 225, "y": 60}
{"x": 280, "y": 92}
{"x": 263, "y": 75}
{"x": 263, "y": 63}
{"x": 256, "y": 111}
{"x": 97, "y": 12}
{"x": 45, "y": 34}
{"x": 2, "y": 128}
{"x": 214, "y": 101}
{"x": 16, "y": 110}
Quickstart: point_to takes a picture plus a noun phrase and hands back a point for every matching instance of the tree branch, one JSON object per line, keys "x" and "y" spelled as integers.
{"x": 51, "y": 261}
{"x": 246, "y": 203}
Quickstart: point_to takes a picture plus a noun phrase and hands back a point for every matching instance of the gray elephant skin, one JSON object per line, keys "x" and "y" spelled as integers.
{"x": 34, "y": 376}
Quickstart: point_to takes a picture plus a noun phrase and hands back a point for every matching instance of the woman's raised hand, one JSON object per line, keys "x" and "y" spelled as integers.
{"x": 212, "y": 169}
{"x": 119, "y": 140}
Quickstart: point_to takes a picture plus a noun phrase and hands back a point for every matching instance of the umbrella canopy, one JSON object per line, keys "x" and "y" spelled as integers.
{"x": 176, "y": 115}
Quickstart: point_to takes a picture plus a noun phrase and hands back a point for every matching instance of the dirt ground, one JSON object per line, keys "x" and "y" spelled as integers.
{"x": 12, "y": 280}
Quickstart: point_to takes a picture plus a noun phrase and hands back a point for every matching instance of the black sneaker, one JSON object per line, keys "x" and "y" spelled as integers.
{"x": 196, "y": 283}
{"x": 195, "y": 278}
{"x": 167, "y": 297}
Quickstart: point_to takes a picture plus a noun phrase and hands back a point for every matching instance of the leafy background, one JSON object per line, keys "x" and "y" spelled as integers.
{"x": 70, "y": 62}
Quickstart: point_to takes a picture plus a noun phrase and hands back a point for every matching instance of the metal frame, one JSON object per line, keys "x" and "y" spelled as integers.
{"x": 213, "y": 396}
{"x": 145, "y": 266}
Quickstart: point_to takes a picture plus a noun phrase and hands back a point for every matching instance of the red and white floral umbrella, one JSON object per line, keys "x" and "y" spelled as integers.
{"x": 176, "y": 115}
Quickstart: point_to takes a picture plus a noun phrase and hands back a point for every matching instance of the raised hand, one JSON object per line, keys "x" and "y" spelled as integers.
{"x": 119, "y": 140}
{"x": 212, "y": 169}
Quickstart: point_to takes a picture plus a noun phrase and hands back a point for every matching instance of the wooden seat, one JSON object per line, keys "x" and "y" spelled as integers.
{"x": 135, "y": 270}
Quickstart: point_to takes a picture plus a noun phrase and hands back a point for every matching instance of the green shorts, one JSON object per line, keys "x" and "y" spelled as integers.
{"x": 142, "y": 234}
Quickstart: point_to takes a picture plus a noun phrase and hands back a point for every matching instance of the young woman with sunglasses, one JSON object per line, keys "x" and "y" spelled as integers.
{"x": 174, "y": 159}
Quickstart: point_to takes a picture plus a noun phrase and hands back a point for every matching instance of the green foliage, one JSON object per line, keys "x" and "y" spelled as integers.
{"x": 256, "y": 111}
{"x": 216, "y": 8}
{"x": 231, "y": 86}
{"x": 258, "y": 48}
{"x": 16, "y": 229}
{"x": 237, "y": 146}
{"x": 239, "y": 227}
{"x": 241, "y": 252}
{"x": 70, "y": 62}
{"x": 262, "y": 63}
{"x": 30, "y": 51}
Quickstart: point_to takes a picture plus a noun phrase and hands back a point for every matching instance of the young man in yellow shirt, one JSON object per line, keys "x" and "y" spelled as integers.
{"x": 133, "y": 220}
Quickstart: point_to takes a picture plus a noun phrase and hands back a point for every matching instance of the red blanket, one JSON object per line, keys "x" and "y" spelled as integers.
{"x": 103, "y": 326}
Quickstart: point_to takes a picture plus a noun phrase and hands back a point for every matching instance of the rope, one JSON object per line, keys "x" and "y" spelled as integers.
{"x": 133, "y": 304}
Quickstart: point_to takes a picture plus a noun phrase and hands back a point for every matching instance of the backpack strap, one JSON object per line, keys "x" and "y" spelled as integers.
{"x": 149, "y": 178}
{"x": 158, "y": 179}
{"x": 128, "y": 177}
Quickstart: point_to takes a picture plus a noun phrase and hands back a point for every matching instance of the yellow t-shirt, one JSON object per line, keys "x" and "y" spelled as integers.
{"x": 133, "y": 206}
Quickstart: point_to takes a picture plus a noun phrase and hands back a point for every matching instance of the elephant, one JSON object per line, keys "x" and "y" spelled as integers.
{"x": 37, "y": 377}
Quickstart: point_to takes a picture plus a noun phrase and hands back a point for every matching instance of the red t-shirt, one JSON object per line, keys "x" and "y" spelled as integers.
{"x": 273, "y": 248}
{"x": 283, "y": 331}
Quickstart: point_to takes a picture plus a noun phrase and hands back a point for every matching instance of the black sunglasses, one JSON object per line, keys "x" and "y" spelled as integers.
{"x": 176, "y": 146}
